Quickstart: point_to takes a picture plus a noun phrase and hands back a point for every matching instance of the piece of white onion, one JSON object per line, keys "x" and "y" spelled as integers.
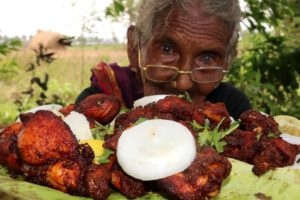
{"x": 155, "y": 149}
{"x": 148, "y": 99}
{"x": 79, "y": 125}
{"x": 51, "y": 107}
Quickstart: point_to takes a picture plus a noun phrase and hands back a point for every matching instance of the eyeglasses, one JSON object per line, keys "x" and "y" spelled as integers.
{"x": 163, "y": 73}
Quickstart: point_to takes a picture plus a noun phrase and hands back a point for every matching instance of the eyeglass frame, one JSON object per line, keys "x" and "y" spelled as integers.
{"x": 144, "y": 68}
{"x": 178, "y": 72}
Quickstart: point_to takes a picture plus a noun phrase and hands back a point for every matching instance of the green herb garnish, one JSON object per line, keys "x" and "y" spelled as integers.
{"x": 123, "y": 110}
{"x": 99, "y": 131}
{"x": 187, "y": 96}
{"x": 213, "y": 137}
{"x": 104, "y": 156}
{"x": 272, "y": 135}
{"x": 140, "y": 120}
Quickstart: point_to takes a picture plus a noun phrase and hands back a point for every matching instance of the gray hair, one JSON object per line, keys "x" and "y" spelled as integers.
{"x": 154, "y": 13}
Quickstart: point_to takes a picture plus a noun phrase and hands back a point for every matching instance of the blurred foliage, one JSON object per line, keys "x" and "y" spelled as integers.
{"x": 8, "y": 67}
{"x": 268, "y": 66}
{"x": 9, "y": 45}
{"x": 37, "y": 93}
{"x": 120, "y": 8}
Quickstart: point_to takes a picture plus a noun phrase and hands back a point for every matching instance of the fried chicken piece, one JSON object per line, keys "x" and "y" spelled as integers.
{"x": 65, "y": 175}
{"x": 198, "y": 115}
{"x": 127, "y": 119}
{"x": 273, "y": 153}
{"x": 124, "y": 121}
{"x": 180, "y": 108}
{"x": 8, "y": 148}
{"x": 99, "y": 107}
{"x": 241, "y": 145}
{"x": 46, "y": 137}
{"x": 259, "y": 123}
{"x": 202, "y": 180}
{"x": 129, "y": 186}
{"x": 25, "y": 116}
{"x": 215, "y": 113}
{"x": 97, "y": 181}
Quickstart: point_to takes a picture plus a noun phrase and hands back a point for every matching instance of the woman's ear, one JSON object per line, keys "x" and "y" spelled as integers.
{"x": 132, "y": 48}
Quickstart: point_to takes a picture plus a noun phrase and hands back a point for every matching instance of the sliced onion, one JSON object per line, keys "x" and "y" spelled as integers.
{"x": 155, "y": 149}
{"x": 148, "y": 99}
{"x": 79, "y": 125}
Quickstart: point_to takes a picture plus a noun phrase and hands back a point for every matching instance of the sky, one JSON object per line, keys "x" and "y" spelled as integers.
{"x": 25, "y": 17}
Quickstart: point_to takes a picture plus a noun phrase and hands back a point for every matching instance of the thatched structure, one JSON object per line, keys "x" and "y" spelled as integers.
{"x": 49, "y": 42}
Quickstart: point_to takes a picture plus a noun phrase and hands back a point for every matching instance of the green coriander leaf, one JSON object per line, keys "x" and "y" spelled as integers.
{"x": 215, "y": 136}
{"x": 186, "y": 96}
{"x": 204, "y": 138}
{"x": 258, "y": 136}
{"x": 124, "y": 110}
{"x": 140, "y": 120}
{"x": 196, "y": 126}
{"x": 272, "y": 135}
{"x": 232, "y": 127}
{"x": 104, "y": 156}
{"x": 99, "y": 131}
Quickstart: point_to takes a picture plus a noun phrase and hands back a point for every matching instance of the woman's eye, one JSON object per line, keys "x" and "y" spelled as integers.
{"x": 207, "y": 58}
{"x": 167, "y": 48}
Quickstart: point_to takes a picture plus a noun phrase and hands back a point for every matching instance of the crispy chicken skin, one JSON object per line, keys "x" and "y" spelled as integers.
{"x": 241, "y": 145}
{"x": 273, "y": 153}
{"x": 99, "y": 107}
{"x": 127, "y": 185}
{"x": 8, "y": 147}
{"x": 215, "y": 113}
{"x": 257, "y": 142}
{"x": 97, "y": 181}
{"x": 178, "y": 107}
{"x": 259, "y": 123}
{"x": 202, "y": 180}
{"x": 46, "y": 137}
{"x": 64, "y": 175}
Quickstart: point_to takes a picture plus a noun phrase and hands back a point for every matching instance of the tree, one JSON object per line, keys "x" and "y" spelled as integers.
{"x": 268, "y": 68}
{"x": 120, "y": 8}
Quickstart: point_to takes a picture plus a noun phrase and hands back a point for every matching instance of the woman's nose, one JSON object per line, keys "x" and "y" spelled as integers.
{"x": 184, "y": 82}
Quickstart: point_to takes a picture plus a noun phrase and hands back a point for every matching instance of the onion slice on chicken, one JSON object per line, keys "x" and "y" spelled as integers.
{"x": 148, "y": 99}
{"x": 79, "y": 125}
{"x": 155, "y": 149}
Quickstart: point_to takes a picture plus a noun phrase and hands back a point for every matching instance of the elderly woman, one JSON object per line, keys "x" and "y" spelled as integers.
{"x": 177, "y": 46}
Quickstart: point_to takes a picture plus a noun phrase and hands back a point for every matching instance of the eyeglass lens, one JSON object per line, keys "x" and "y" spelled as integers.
{"x": 166, "y": 74}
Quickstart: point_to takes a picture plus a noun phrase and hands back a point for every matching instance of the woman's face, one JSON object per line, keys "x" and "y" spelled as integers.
{"x": 189, "y": 40}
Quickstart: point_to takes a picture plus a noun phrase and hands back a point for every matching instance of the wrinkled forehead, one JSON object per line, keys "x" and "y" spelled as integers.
{"x": 193, "y": 21}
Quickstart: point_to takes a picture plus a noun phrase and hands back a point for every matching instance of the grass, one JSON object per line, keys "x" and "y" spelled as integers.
{"x": 69, "y": 74}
